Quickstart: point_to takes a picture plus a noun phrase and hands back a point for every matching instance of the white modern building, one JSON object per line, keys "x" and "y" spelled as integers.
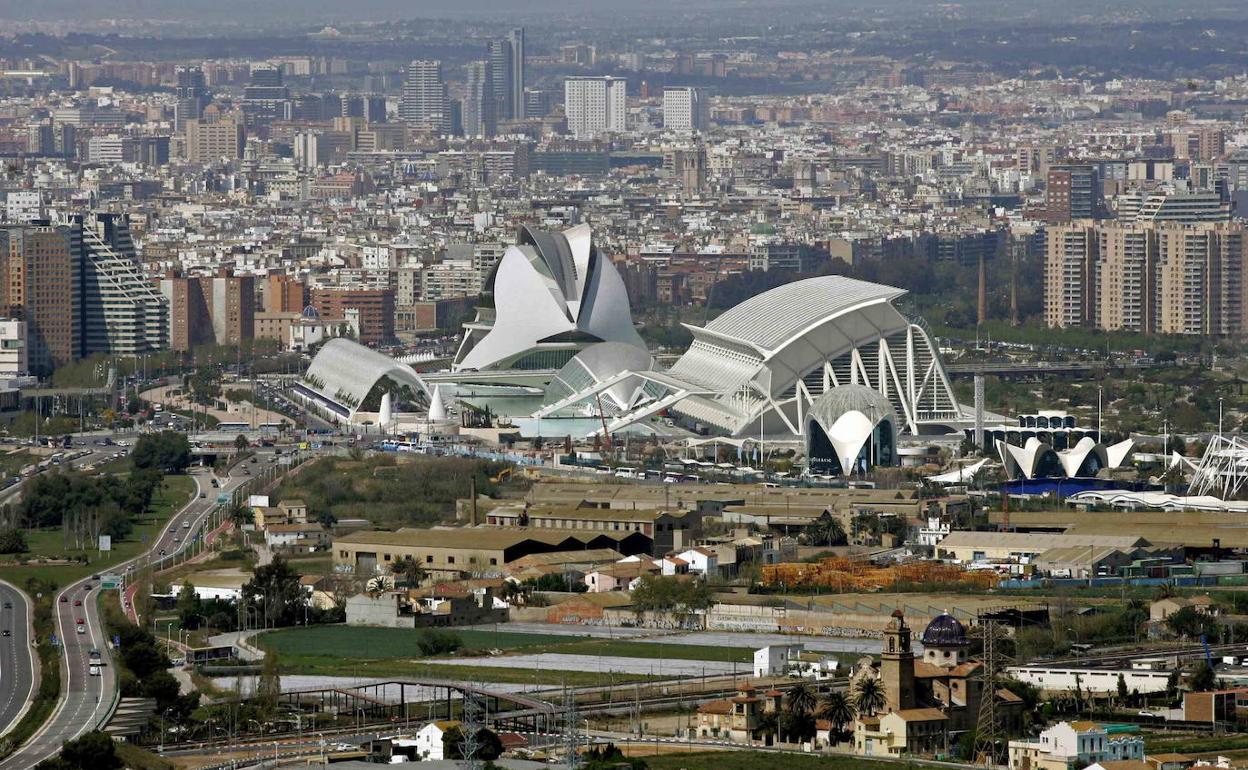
{"x": 346, "y": 379}
{"x": 1037, "y": 459}
{"x": 685, "y": 108}
{"x": 757, "y": 369}
{"x": 595, "y": 105}
{"x": 551, "y": 295}
{"x": 849, "y": 429}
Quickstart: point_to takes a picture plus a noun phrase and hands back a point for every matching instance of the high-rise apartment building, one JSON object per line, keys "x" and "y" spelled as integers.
{"x": 1145, "y": 277}
{"x": 284, "y": 294}
{"x": 595, "y": 105}
{"x": 121, "y": 311}
{"x": 374, "y": 306}
{"x": 190, "y": 96}
{"x": 38, "y": 284}
{"x": 189, "y": 322}
{"x": 209, "y": 139}
{"x": 480, "y": 100}
{"x": 685, "y": 109}
{"x": 1069, "y": 274}
{"x": 424, "y": 93}
{"x": 1125, "y": 278}
{"x": 1073, "y": 191}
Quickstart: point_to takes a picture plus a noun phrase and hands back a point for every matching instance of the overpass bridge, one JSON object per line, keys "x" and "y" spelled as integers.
{"x": 1035, "y": 368}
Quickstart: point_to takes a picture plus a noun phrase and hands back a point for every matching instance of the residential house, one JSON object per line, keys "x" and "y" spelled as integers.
{"x": 429, "y": 739}
{"x": 1075, "y": 744}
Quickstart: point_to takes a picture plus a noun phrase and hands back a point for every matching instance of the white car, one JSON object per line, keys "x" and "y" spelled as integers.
{"x": 94, "y": 670}
{"x": 82, "y": 629}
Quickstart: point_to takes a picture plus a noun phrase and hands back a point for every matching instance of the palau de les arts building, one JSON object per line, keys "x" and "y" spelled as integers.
{"x": 826, "y": 364}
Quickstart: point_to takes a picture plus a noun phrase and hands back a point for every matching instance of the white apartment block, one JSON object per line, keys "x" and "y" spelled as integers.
{"x": 685, "y": 109}
{"x": 595, "y": 105}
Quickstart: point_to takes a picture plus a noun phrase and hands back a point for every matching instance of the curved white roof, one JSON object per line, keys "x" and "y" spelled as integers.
{"x": 596, "y": 364}
{"x": 345, "y": 371}
{"x": 772, "y": 318}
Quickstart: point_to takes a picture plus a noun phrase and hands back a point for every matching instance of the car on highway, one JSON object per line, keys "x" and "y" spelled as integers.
{"x": 94, "y": 670}
{"x": 186, "y": 524}
{"x": 8, "y": 605}
{"x": 7, "y": 632}
{"x": 82, "y": 629}
{"x": 77, "y": 602}
{"x": 64, "y": 600}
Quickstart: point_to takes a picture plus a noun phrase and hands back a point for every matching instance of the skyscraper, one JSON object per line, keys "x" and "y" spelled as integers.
{"x": 1073, "y": 191}
{"x": 594, "y": 105}
{"x": 500, "y": 61}
{"x": 121, "y": 312}
{"x": 685, "y": 109}
{"x": 516, "y": 38}
{"x": 480, "y": 103}
{"x": 191, "y": 96}
{"x": 38, "y": 284}
{"x": 424, "y": 93}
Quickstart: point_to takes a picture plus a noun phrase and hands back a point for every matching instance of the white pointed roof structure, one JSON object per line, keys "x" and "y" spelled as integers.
{"x": 437, "y": 407}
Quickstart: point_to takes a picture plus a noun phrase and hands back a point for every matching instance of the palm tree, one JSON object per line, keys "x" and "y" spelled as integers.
{"x": 801, "y": 699}
{"x": 378, "y": 586}
{"x": 869, "y": 696}
{"x": 408, "y": 568}
{"x": 828, "y": 531}
{"x": 837, "y": 708}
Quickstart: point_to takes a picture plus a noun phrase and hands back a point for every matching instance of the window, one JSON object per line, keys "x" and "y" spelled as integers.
{"x": 387, "y": 557}
{"x": 450, "y": 560}
{"x": 493, "y": 561}
{"x": 429, "y": 560}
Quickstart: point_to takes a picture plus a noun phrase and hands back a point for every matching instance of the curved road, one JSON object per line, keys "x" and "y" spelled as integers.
{"x": 17, "y": 666}
{"x": 87, "y": 701}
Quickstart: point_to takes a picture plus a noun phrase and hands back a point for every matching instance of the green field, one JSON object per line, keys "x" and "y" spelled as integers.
{"x": 329, "y": 665}
{"x": 752, "y": 760}
{"x": 358, "y": 643}
{"x": 51, "y": 543}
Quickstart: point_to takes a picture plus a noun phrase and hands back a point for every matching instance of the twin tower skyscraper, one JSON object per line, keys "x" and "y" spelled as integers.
{"x": 494, "y": 90}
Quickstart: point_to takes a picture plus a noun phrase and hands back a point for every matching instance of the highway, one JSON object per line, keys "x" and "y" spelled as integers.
{"x": 17, "y": 673}
{"x": 87, "y": 701}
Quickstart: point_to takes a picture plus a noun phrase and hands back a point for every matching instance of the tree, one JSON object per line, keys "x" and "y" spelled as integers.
{"x": 275, "y": 594}
{"x": 240, "y": 443}
{"x": 1122, "y": 687}
{"x": 435, "y": 641}
{"x": 1202, "y": 677}
{"x": 673, "y": 595}
{"x": 869, "y": 696}
{"x": 488, "y": 745}
{"x": 13, "y": 541}
{"x": 269, "y": 685}
{"x": 93, "y": 751}
{"x": 1188, "y": 622}
{"x": 801, "y": 699}
{"x": 837, "y": 709}
{"x": 827, "y": 530}
{"x": 167, "y": 451}
{"x": 190, "y": 612}
{"x": 412, "y": 571}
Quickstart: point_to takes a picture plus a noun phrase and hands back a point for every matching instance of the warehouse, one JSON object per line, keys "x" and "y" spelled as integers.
{"x": 455, "y": 553}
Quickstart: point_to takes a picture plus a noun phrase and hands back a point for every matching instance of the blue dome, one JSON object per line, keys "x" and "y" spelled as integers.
{"x": 944, "y": 631}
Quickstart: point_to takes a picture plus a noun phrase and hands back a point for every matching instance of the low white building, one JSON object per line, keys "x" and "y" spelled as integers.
{"x": 429, "y": 739}
{"x": 700, "y": 561}
{"x": 1075, "y": 744}
{"x": 793, "y": 660}
{"x": 1063, "y": 679}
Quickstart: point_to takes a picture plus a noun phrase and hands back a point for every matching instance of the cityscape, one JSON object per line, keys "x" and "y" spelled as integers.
{"x": 806, "y": 384}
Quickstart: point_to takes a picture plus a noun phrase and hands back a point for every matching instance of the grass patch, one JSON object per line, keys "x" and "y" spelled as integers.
{"x": 49, "y": 543}
{"x": 752, "y": 760}
{"x": 136, "y": 758}
{"x": 12, "y": 462}
{"x": 328, "y": 665}
{"x": 1193, "y": 745}
{"x": 361, "y": 643}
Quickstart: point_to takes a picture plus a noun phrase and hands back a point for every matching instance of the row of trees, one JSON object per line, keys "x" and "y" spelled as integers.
{"x": 90, "y": 505}
{"x": 166, "y": 452}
